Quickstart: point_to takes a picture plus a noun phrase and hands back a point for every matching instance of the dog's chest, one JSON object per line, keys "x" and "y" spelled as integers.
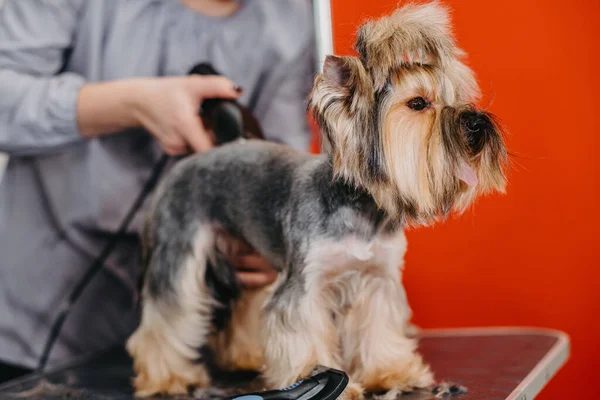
{"x": 338, "y": 261}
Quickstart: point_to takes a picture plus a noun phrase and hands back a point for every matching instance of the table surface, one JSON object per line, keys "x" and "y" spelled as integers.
{"x": 492, "y": 363}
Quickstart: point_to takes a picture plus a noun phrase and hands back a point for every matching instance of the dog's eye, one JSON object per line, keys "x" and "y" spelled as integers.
{"x": 417, "y": 104}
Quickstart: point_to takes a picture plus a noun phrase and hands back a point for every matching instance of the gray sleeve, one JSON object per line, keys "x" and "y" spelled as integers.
{"x": 38, "y": 106}
{"x": 285, "y": 118}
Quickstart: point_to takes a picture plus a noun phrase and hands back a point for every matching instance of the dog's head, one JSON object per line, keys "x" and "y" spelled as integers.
{"x": 400, "y": 120}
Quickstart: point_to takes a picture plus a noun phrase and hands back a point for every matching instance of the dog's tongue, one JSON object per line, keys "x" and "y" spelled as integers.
{"x": 467, "y": 175}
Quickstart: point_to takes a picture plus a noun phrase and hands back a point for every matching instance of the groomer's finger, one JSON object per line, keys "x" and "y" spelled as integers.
{"x": 195, "y": 134}
{"x": 255, "y": 280}
{"x": 242, "y": 248}
{"x": 175, "y": 150}
{"x": 207, "y": 87}
{"x": 250, "y": 262}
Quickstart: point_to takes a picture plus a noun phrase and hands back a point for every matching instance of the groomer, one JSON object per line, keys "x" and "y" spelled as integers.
{"x": 90, "y": 93}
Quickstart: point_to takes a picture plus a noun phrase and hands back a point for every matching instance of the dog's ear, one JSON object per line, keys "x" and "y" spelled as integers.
{"x": 344, "y": 79}
{"x": 341, "y": 102}
{"x": 336, "y": 71}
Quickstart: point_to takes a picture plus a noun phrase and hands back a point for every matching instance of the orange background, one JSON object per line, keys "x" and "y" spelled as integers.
{"x": 528, "y": 258}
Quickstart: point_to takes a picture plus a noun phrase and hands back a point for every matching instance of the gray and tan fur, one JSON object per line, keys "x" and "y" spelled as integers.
{"x": 403, "y": 146}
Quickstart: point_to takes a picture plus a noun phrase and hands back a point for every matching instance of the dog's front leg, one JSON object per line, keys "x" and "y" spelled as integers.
{"x": 298, "y": 335}
{"x": 375, "y": 347}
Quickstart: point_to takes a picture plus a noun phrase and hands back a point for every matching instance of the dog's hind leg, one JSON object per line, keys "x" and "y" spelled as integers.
{"x": 176, "y": 315}
{"x": 238, "y": 346}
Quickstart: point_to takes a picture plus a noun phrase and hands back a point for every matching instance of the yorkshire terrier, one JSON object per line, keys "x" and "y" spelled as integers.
{"x": 403, "y": 145}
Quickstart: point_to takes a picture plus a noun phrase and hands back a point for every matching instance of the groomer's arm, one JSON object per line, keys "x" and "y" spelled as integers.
{"x": 37, "y": 109}
{"x": 166, "y": 107}
{"x": 42, "y": 111}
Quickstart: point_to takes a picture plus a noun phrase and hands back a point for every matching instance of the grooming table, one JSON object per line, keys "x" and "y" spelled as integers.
{"x": 492, "y": 363}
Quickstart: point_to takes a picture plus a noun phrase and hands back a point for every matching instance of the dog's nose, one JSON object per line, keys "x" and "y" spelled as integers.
{"x": 475, "y": 125}
{"x": 475, "y": 122}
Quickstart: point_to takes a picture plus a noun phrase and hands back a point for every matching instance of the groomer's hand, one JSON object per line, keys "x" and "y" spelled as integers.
{"x": 167, "y": 107}
{"x": 252, "y": 270}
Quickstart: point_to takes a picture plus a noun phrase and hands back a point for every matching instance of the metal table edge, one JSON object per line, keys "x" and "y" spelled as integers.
{"x": 544, "y": 370}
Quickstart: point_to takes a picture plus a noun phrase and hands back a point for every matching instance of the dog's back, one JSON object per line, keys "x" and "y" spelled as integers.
{"x": 241, "y": 188}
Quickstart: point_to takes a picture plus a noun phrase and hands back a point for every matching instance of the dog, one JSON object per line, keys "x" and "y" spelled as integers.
{"x": 404, "y": 145}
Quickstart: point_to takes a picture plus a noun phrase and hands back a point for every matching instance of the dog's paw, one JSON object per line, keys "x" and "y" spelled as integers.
{"x": 399, "y": 378}
{"x": 317, "y": 369}
{"x": 148, "y": 384}
{"x": 353, "y": 392}
{"x": 445, "y": 389}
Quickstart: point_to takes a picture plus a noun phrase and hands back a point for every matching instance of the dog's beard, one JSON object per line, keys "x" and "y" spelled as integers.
{"x": 422, "y": 158}
{"x": 429, "y": 160}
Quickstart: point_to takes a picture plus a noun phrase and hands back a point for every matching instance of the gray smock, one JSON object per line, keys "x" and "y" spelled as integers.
{"x": 62, "y": 196}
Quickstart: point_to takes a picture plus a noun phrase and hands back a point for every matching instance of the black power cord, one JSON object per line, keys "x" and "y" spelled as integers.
{"x": 98, "y": 263}
{"x": 229, "y": 121}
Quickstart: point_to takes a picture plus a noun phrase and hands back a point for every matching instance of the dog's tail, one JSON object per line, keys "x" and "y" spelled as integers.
{"x": 167, "y": 243}
{"x": 170, "y": 242}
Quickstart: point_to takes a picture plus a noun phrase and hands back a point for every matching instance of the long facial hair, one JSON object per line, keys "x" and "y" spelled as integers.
{"x": 411, "y": 162}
